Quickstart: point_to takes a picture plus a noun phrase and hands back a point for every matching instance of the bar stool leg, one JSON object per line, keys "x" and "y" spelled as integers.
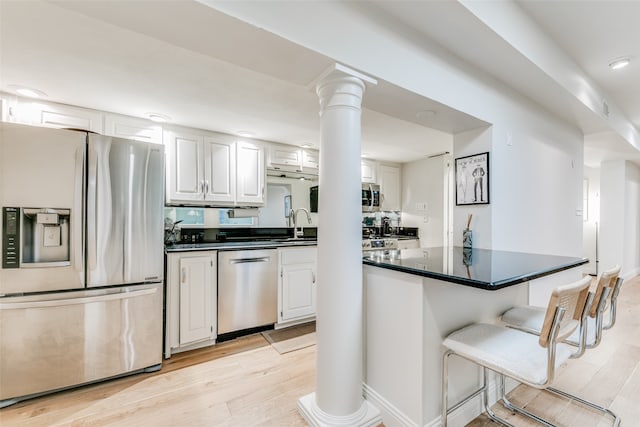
{"x": 487, "y": 406}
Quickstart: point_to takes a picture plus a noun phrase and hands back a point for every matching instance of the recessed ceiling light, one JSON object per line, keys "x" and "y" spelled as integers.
{"x": 424, "y": 114}
{"x": 246, "y": 133}
{"x": 157, "y": 117}
{"x": 619, "y": 63}
{"x": 28, "y": 92}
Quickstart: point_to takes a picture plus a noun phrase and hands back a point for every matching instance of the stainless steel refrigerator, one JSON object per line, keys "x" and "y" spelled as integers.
{"x": 82, "y": 259}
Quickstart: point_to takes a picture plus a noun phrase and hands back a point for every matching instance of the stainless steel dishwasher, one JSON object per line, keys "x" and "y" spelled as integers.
{"x": 247, "y": 289}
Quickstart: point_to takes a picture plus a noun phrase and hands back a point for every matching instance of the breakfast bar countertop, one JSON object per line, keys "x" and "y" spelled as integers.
{"x": 481, "y": 268}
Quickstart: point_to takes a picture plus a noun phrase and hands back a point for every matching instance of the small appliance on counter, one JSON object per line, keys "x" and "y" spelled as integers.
{"x": 407, "y": 231}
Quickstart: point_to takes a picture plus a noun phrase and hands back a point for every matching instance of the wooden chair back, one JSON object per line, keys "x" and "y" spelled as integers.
{"x": 607, "y": 279}
{"x": 572, "y": 298}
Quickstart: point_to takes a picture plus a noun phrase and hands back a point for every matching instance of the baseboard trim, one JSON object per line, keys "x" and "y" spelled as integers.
{"x": 388, "y": 410}
{"x": 392, "y": 416}
{"x": 630, "y": 274}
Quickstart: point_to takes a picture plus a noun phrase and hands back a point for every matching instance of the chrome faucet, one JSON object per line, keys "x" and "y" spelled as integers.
{"x": 292, "y": 219}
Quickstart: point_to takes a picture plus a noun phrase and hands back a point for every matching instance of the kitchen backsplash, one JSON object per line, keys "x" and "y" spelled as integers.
{"x": 374, "y": 219}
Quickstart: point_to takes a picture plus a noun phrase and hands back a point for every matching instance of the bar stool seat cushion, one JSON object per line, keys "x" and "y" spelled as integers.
{"x": 530, "y": 318}
{"x": 504, "y": 350}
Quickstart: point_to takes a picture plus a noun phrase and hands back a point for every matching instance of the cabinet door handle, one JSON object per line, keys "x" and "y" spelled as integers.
{"x": 204, "y": 195}
{"x": 313, "y": 276}
{"x": 206, "y": 186}
{"x": 183, "y": 275}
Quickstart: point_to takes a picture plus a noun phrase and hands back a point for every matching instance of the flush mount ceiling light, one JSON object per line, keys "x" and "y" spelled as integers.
{"x": 157, "y": 117}
{"x": 245, "y": 133}
{"x": 28, "y": 92}
{"x": 616, "y": 64}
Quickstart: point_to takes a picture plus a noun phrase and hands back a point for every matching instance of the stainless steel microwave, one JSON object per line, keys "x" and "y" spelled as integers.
{"x": 371, "y": 198}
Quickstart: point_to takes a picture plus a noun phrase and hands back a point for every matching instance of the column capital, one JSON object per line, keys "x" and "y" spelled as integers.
{"x": 340, "y": 86}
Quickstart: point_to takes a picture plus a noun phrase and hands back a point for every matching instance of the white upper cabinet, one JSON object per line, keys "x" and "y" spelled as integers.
{"x": 310, "y": 160}
{"x": 368, "y": 170}
{"x": 55, "y": 115}
{"x": 220, "y": 171}
{"x": 284, "y": 157}
{"x": 390, "y": 179}
{"x": 132, "y": 128}
{"x": 214, "y": 170}
{"x": 185, "y": 171}
{"x": 251, "y": 174}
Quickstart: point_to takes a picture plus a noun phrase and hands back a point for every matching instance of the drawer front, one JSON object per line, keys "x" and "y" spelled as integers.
{"x": 298, "y": 255}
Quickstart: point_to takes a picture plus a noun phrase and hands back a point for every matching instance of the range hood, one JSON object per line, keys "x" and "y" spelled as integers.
{"x": 292, "y": 175}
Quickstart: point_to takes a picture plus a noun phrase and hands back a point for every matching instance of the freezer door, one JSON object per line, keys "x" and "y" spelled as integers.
{"x": 125, "y": 191}
{"x": 58, "y": 340}
{"x": 43, "y": 169}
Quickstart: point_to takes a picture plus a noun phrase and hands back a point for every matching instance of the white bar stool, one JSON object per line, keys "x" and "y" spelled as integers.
{"x": 529, "y": 359}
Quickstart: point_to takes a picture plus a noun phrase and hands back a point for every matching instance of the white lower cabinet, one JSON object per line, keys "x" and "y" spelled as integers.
{"x": 408, "y": 244}
{"x": 297, "y": 285}
{"x": 191, "y": 300}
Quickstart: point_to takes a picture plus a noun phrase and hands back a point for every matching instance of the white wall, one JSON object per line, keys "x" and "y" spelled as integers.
{"x": 424, "y": 182}
{"x": 620, "y": 215}
{"x": 592, "y": 215}
{"x": 631, "y": 260}
{"x": 612, "y": 195}
{"x": 273, "y": 214}
{"x": 537, "y": 185}
{"x": 536, "y": 182}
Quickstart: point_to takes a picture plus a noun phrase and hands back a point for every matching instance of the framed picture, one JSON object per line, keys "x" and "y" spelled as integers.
{"x": 472, "y": 180}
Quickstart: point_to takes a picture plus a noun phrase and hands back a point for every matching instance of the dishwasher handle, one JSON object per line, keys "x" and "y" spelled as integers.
{"x": 246, "y": 260}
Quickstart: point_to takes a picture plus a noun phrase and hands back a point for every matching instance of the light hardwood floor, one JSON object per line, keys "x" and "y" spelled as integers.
{"x": 246, "y": 382}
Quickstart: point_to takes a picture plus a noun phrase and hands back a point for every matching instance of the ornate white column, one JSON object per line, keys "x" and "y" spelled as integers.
{"x": 338, "y": 398}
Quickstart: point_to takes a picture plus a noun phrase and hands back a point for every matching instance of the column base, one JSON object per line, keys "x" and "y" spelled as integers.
{"x": 367, "y": 416}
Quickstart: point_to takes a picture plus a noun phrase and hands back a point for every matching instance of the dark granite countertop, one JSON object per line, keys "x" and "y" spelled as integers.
{"x": 221, "y": 246}
{"x": 481, "y": 268}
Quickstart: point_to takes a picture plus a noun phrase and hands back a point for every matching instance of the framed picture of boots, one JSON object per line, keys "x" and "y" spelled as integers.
{"x": 472, "y": 180}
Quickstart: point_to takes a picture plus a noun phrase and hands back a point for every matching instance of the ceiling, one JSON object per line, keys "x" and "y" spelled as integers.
{"x": 208, "y": 70}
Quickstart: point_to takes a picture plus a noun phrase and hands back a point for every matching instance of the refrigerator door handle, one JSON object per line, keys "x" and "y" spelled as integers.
{"x": 74, "y": 301}
{"x": 78, "y": 213}
{"x": 92, "y": 211}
